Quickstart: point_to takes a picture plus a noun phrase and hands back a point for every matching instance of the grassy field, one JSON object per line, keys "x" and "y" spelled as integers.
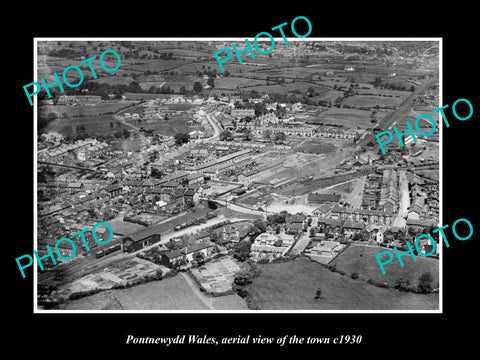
{"x": 85, "y": 110}
{"x": 350, "y": 118}
{"x": 168, "y": 127}
{"x": 371, "y": 101}
{"x": 168, "y": 294}
{"x": 362, "y": 260}
{"x": 292, "y": 286}
{"x": 317, "y": 146}
{"x": 97, "y": 124}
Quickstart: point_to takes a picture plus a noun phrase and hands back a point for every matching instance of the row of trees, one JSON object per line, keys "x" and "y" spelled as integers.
{"x": 392, "y": 85}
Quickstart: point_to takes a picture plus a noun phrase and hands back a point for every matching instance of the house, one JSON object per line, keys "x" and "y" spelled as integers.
{"x": 294, "y": 223}
{"x": 323, "y": 210}
{"x": 240, "y": 113}
{"x": 352, "y": 227}
{"x": 329, "y": 225}
{"x": 191, "y": 196}
{"x": 420, "y": 225}
{"x": 326, "y": 248}
{"x": 171, "y": 258}
{"x": 113, "y": 190}
{"x": 189, "y": 252}
{"x": 365, "y": 215}
{"x": 266, "y": 239}
{"x": 141, "y": 239}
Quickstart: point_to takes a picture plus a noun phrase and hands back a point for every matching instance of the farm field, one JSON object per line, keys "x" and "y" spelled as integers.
{"x": 371, "y": 101}
{"x": 317, "y": 146}
{"x": 292, "y": 285}
{"x": 168, "y": 294}
{"x": 350, "y": 118}
{"x": 298, "y": 86}
{"x": 96, "y": 124}
{"x": 86, "y": 110}
{"x": 362, "y": 260}
{"x": 168, "y": 127}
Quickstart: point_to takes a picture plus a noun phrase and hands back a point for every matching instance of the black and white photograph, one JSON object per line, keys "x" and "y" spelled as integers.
{"x": 201, "y": 179}
{"x": 261, "y": 187}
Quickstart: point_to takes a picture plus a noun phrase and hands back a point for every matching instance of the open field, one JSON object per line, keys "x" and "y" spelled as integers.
{"x": 371, "y": 101}
{"x": 168, "y": 127}
{"x": 292, "y": 285}
{"x": 299, "y": 87}
{"x": 350, "y": 118}
{"x": 317, "y": 146}
{"x": 96, "y": 124}
{"x": 168, "y": 294}
{"x": 362, "y": 260}
{"x": 86, "y": 110}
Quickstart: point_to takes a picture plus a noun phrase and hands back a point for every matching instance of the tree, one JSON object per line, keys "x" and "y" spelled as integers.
{"x": 199, "y": 258}
{"x": 197, "y": 87}
{"x": 241, "y": 250}
{"x": 425, "y": 282}
{"x": 214, "y": 237}
{"x": 260, "y": 225}
{"x": 318, "y": 293}
{"x": 267, "y": 134}
{"x": 211, "y": 82}
{"x": 280, "y": 137}
{"x": 211, "y": 204}
{"x": 247, "y": 133}
{"x": 226, "y": 136}
{"x": 402, "y": 284}
{"x": 181, "y": 138}
{"x": 243, "y": 278}
{"x": 125, "y": 133}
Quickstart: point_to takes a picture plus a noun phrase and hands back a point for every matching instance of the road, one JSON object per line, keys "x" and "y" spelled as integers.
{"x": 399, "y": 220}
{"x": 301, "y": 244}
{"x": 216, "y": 128}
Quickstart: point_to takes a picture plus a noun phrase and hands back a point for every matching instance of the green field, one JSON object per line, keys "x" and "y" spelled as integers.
{"x": 85, "y": 110}
{"x": 170, "y": 127}
{"x": 319, "y": 146}
{"x": 350, "y": 118}
{"x": 292, "y": 285}
{"x": 97, "y": 124}
{"x": 168, "y": 294}
{"x": 362, "y": 260}
{"x": 371, "y": 101}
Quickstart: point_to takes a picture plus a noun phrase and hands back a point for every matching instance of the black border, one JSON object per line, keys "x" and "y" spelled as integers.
{"x": 103, "y": 334}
